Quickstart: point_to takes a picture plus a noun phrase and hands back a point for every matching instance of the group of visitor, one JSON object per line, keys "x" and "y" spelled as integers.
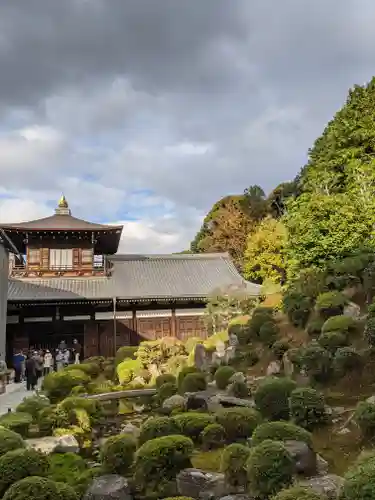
{"x": 34, "y": 364}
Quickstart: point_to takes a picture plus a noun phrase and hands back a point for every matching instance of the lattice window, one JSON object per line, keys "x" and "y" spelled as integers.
{"x": 33, "y": 256}
{"x": 86, "y": 257}
{"x": 61, "y": 258}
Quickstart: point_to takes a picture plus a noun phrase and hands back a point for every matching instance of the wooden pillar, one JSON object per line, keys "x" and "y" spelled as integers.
{"x": 174, "y": 332}
{"x": 134, "y": 320}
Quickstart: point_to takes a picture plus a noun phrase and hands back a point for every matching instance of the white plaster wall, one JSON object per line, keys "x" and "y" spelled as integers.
{"x": 4, "y": 270}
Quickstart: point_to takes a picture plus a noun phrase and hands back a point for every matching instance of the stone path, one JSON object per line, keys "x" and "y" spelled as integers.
{"x": 14, "y": 395}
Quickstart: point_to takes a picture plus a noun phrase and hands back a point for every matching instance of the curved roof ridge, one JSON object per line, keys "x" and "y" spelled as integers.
{"x": 59, "y": 220}
{"x": 177, "y": 256}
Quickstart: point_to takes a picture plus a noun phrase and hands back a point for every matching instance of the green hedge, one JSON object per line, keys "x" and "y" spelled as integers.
{"x": 222, "y": 376}
{"x": 32, "y": 405}
{"x": 213, "y": 436}
{"x": 10, "y": 440}
{"x": 272, "y": 397}
{"x": 155, "y": 427}
{"x": 117, "y": 454}
{"x": 239, "y": 423}
{"x": 58, "y": 385}
{"x": 298, "y": 493}
{"x": 280, "y": 431}
{"x": 40, "y": 488}
{"x": 191, "y": 424}
{"x": 165, "y": 378}
{"x": 193, "y": 382}
{"x": 307, "y": 407}
{"x": 17, "y": 422}
{"x": 233, "y": 462}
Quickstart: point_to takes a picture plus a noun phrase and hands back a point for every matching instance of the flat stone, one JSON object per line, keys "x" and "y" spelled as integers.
{"x": 303, "y": 456}
{"x": 51, "y": 444}
{"x": 237, "y": 377}
{"x": 108, "y": 487}
{"x": 329, "y": 485}
{"x": 130, "y": 429}
{"x": 322, "y": 465}
{"x": 196, "y": 483}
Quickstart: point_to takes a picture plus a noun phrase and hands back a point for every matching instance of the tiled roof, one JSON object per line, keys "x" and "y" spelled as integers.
{"x": 60, "y": 222}
{"x": 141, "y": 277}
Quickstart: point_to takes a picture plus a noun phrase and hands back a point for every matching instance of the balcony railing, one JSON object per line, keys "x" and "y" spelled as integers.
{"x": 25, "y": 270}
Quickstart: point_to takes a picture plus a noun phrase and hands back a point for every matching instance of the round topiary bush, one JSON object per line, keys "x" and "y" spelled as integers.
{"x": 166, "y": 391}
{"x": 307, "y": 407}
{"x": 10, "y": 440}
{"x": 331, "y": 341}
{"x": 330, "y": 304}
{"x": 71, "y": 469}
{"x": 58, "y": 385}
{"x": 359, "y": 482}
{"x": 346, "y": 360}
{"x": 239, "y": 423}
{"x": 268, "y": 333}
{"x": 160, "y": 460}
{"x": 343, "y": 324}
{"x": 155, "y": 427}
{"x": 272, "y": 397}
{"x": 270, "y": 468}
{"x": 117, "y": 454}
{"x": 314, "y": 326}
{"x": 193, "y": 382}
{"x": 191, "y": 424}
{"x": 241, "y": 330}
{"x": 51, "y": 418}
{"x": 365, "y": 418}
{"x": 32, "y": 405}
{"x": 297, "y": 306}
{"x": 317, "y": 362}
{"x": 213, "y": 436}
{"x": 186, "y": 370}
{"x": 222, "y": 376}
{"x": 178, "y": 498}
{"x": 279, "y": 348}
{"x": 165, "y": 378}
{"x": 39, "y": 488}
{"x": 125, "y": 352}
{"x": 239, "y": 389}
{"x": 17, "y": 422}
{"x": 233, "y": 462}
{"x": 280, "y": 431}
{"x": 298, "y": 493}
{"x": 258, "y": 319}
{"x": 91, "y": 369}
{"x": 17, "y": 464}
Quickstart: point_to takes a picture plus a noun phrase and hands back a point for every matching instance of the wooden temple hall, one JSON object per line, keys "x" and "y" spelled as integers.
{"x": 66, "y": 282}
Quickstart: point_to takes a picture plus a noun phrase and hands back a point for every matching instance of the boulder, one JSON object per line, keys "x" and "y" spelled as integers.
{"x": 238, "y": 496}
{"x": 51, "y": 444}
{"x": 288, "y": 365}
{"x": 352, "y": 310}
{"x": 237, "y": 377}
{"x": 196, "y": 483}
{"x": 130, "y": 429}
{"x": 108, "y": 487}
{"x": 173, "y": 403}
{"x": 329, "y": 485}
{"x": 197, "y": 401}
{"x": 274, "y": 368}
{"x": 304, "y": 457}
{"x": 322, "y": 465}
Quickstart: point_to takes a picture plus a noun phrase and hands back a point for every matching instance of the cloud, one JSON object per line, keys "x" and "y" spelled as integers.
{"x": 148, "y": 111}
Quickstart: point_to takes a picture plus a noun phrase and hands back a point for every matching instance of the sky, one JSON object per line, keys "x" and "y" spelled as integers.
{"x": 146, "y": 112}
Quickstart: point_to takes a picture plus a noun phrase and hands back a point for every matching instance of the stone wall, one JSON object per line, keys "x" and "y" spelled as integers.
{"x": 4, "y": 268}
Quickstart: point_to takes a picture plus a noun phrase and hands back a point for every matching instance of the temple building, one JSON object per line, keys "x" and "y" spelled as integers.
{"x": 66, "y": 281}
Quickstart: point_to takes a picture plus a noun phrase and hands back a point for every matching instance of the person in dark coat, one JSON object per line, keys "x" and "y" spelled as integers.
{"x": 30, "y": 373}
{"x": 18, "y": 361}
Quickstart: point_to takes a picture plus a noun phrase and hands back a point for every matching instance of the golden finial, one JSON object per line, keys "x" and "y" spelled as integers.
{"x": 63, "y": 203}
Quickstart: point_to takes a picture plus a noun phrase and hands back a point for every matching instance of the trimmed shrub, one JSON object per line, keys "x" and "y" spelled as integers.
{"x": 117, "y": 454}
{"x": 256, "y": 322}
{"x": 268, "y": 333}
{"x": 178, "y": 498}
{"x": 17, "y": 422}
{"x": 183, "y": 372}
{"x": 264, "y": 310}
{"x": 314, "y": 326}
{"x": 155, "y": 427}
{"x": 91, "y": 369}
{"x": 280, "y": 431}
{"x": 270, "y": 469}
{"x": 213, "y": 436}
{"x": 191, "y": 424}
{"x": 297, "y": 307}
{"x": 32, "y": 405}
{"x": 307, "y": 407}
{"x": 71, "y": 469}
{"x": 160, "y": 460}
{"x": 359, "y": 482}
{"x": 17, "y": 464}
{"x": 51, "y": 418}
{"x": 126, "y": 370}
{"x": 166, "y": 378}
{"x": 249, "y": 357}
{"x": 272, "y": 397}
{"x": 78, "y": 390}
{"x": 241, "y": 330}
{"x": 233, "y": 462}
{"x": 10, "y": 440}
{"x": 365, "y": 418}
{"x": 166, "y": 391}
{"x": 370, "y": 331}
{"x": 125, "y": 352}
{"x": 332, "y": 341}
{"x": 317, "y": 362}
{"x": 347, "y": 359}
{"x": 279, "y": 348}
{"x": 330, "y": 304}
{"x": 342, "y": 324}
{"x": 239, "y": 423}
{"x": 40, "y": 488}
{"x": 239, "y": 389}
{"x": 222, "y": 376}
{"x": 193, "y": 382}
{"x": 58, "y": 385}
{"x": 298, "y": 493}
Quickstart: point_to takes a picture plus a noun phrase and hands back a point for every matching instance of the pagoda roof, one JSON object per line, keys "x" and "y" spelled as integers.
{"x": 141, "y": 277}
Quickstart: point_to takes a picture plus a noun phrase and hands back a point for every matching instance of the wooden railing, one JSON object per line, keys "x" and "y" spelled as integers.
{"x": 25, "y": 270}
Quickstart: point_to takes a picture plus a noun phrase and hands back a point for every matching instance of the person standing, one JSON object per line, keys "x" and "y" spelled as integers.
{"x": 30, "y": 372}
{"x": 47, "y": 362}
{"x": 18, "y": 360}
{"x": 66, "y": 357}
{"x": 38, "y": 358}
{"x": 77, "y": 352}
{"x": 59, "y": 360}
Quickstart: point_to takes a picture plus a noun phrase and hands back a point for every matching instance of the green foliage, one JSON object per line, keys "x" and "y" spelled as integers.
{"x": 222, "y": 376}
{"x": 233, "y": 462}
{"x": 239, "y": 389}
{"x": 32, "y": 405}
{"x": 17, "y": 464}
{"x": 160, "y": 460}
{"x": 241, "y": 329}
{"x": 182, "y": 374}
{"x": 298, "y": 493}
{"x": 193, "y": 382}
{"x": 360, "y": 481}
{"x": 331, "y": 341}
{"x": 10, "y": 440}
{"x": 314, "y": 326}
{"x": 166, "y": 391}
{"x": 365, "y": 418}
{"x": 280, "y": 431}
{"x": 239, "y": 423}
{"x": 52, "y": 417}
{"x": 272, "y": 397}
{"x": 330, "y": 304}
{"x": 125, "y": 352}
{"x": 268, "y": 333}
{"x": 159, "y": 351}
{"x": 17, "y": 422}
{"x": 40, "y": 488}
{"x": 91, "y": 369}
{"x": 270, "y": 469}
{"x": 316, "y": 361}
{"x": 164, "y": 379}
{"x": 127, "y": 369}
{"x": 155, "y": 427}
{"x": 213, "y": 436}
{"x": 71, "y": 469}
{"x": 191, "y": 424}
{"x": 307, "y": 408}
{"x": 342, "y": 324}
{"x": 347, "y": 360}
{"x": 370, "y": 331}
{"x": 297, "y": 307}
{"x": 279, "y": 348}
{"x": 58, "y": 385}
{"x": 117, "y": 454}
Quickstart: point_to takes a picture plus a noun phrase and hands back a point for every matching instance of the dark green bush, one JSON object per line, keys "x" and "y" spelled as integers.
{"x": 280, "y": 431}
{"x": 52, "y": 417}
{"x": 178, "y": 498}
{"x": 58, "y": 385}
{"x": 166, "y": 391}
{"x": 239, "y": 423}
{"x": 233, "y": 462}
{"x": 191, "y": 424}
{"x": 193, "y": 382}
{"x": 298, "y": 493}
{"x": 270, "y": 469}
{"x": 222, "y": 376}
{"x": 248, "y": 357}
{"x": 365, "y": 418}
{"x": 343, "y": 324}
{"x": 125, "y": 352}
{"x": 39, "y": 488}
{"x": 73, "y": 403}
{"x": 213, "y": 436}
{"x": 79, "y": 390}
{"x": 307, "y": 407}
{"x": 330, "y": 304}
{"x": 183, "y": 372}
{"x": 258, "y": 319}
{"x": 160, "y": 460}
{"x": 166, "y": 378}
{"x": 71, "y": 469}
{"x": 272, "y": 397}
{"x": 117, "y": 454}
{"x": 346, "y": 360}
{"x": 155, "y": 427}
{"x": 317, "y": 362}
{"x": 297, "y": 306}
{"x": 17, "y": 464}
{"x": 239, "y": 389}
{"x": 370, "y": 331}
{"x": 279, "y": 348}
{"x": 242, "y": 331}
{"x": 268, "y": 333}
{"x": 91, "y": 369}
{"x": 10, "y": 440}
{"x": 32, "y": 405}
{"x": 17, "y": 422}
{"x": 332, "y": 341}
{"x": 359, "y": 482}
{"x": 314, "y": 326}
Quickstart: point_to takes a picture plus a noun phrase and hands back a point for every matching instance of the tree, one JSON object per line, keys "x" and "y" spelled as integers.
{"x": 278, "y": 198}
{"x": 264, "y": 255}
